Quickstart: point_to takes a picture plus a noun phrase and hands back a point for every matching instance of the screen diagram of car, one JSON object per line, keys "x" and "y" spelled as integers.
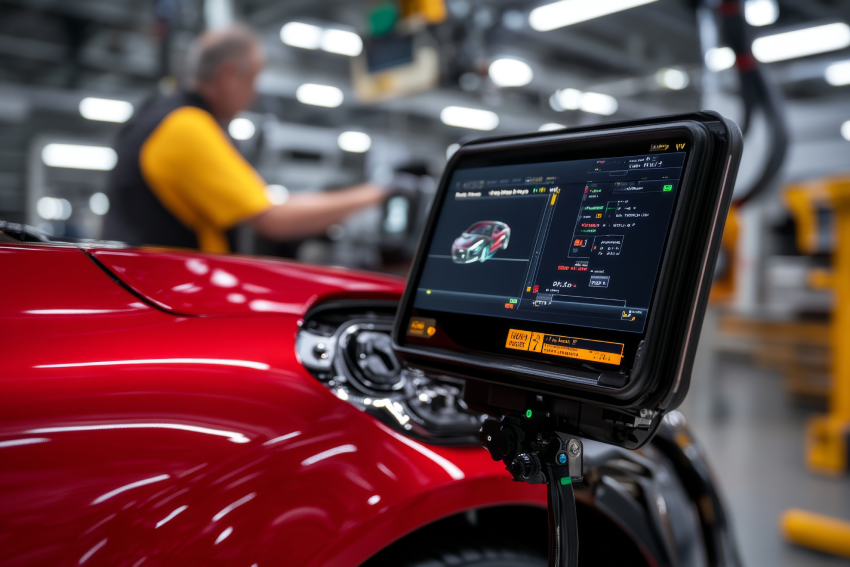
{"x": 480, "y": 241}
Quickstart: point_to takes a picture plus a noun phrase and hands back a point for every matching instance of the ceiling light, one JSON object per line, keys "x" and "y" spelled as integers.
{"x": 598, "y": 103}
{"x": 450, "y": 151}
{"x": 241, "y": 129}
{"x": 99, "y": 204}
{"x": 510, "y": 73}
{"x": 342, "y": 42}
{"x": 106, "y": 110}
{"x": 53, "y": 209}
{"x": 568, "y": 12}
{"x": 673, "y": 79}
{"x": 719, "y": 59}
{"x": 550, "y": 126}
{"x": 569, "y": 99}
{"x": 845, "y": 130}
{"x": 277, "y": 194}
{"x": 800, "y": 43}
{"x": 838, "y": 74}
{"x": 319, "y": 95}
{"x": 356, "y": 142}
{"x": 469, "y": 118}
{"x": 79, "y": 157}
{"x": 301, "y": 35}
{"x": 761, "y": 12}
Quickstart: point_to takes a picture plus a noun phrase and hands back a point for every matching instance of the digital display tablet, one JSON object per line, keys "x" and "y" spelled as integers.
{"x": 576, "y": 264}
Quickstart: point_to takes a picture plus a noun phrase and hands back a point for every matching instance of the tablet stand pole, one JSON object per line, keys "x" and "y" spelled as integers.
{"x": 536, "y": 455}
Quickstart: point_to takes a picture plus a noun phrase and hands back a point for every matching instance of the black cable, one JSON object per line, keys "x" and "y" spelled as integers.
{"x": 758, "y": 93}
{"x": 563, "y": 522}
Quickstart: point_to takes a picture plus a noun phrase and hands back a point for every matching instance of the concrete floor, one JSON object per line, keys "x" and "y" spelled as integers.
{"x": 754, "y": 436}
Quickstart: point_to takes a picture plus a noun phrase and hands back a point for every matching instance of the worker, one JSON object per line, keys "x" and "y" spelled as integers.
{"x": 180, "y": 181}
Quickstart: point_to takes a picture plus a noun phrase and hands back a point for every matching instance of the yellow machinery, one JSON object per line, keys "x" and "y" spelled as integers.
{"x": 816, "y": 531}
{"x": 827, "y": 446}
{"x": 827, "y": 436}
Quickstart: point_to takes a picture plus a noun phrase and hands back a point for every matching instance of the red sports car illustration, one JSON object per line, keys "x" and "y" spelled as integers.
{"x": 480, "y": 242}
{"x": 163, "y": 407}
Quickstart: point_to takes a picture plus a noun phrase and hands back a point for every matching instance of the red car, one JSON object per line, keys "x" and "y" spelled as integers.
{"x": 163, "y": 407}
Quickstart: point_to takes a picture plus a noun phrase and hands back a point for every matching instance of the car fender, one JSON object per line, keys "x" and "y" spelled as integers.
{"x": 129, "y": 433}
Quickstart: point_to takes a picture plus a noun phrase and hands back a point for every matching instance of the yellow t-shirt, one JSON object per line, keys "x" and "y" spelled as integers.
{"x": 199, "y": 176}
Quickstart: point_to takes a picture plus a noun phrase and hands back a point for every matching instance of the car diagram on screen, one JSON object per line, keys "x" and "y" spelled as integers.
{"x": 480, "y": 242}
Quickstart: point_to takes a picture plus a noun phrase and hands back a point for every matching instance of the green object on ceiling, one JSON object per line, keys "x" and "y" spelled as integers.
{"x": 382, "y": 18}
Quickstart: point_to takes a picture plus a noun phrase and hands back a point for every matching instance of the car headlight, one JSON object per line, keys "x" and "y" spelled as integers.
{"x": 350, "y": 352}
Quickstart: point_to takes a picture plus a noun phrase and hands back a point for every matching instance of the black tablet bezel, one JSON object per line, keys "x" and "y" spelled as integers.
{"x": 660, "y": 361}
{"x": 486, "y": 334}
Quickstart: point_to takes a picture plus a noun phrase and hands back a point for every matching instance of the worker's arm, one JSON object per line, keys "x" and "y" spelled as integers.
{"x": 204, "y": 181}
{"x": 309, "y": 214}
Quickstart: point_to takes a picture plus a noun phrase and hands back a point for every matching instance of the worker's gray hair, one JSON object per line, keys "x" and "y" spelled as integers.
{"x": 213, "y": 48}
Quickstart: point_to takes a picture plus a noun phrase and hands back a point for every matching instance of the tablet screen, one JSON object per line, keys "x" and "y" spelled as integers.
{"x": 575, "y": 242}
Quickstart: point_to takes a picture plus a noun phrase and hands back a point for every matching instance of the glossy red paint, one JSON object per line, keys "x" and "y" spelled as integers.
{"x": 196, "y": 284}
{"x": 129, "y": 433}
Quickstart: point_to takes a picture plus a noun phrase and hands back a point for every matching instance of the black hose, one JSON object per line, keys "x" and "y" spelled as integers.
{"x": 758, "y": 94}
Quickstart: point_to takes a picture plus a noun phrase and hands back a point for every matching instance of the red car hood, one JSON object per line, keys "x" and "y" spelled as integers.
{"x": 204, "y": 284}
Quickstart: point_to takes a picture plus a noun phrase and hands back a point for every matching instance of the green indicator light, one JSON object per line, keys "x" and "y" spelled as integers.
{"x": 528, "y": 414}
{"x": 566, "y": 480}
{"x": 668, "y": 188}
{"x": 513, "y": 300}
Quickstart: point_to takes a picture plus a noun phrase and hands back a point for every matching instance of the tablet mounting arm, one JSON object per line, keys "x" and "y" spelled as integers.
{"x": 535, "y": 454}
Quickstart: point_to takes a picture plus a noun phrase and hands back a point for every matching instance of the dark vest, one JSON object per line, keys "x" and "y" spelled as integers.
{"x": 135, "y": 214}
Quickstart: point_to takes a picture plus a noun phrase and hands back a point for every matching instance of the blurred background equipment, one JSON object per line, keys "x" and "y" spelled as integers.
{"x": 386, "y": 91}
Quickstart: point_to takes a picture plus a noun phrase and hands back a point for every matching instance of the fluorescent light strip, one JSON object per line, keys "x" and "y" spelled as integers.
{"x": 719, "y": 59}
{"x": 472, "y": 118}
{"x": 598, "y": 103}
{"x": 106, "y": 110}
{"x": 569, "y": 12}
{"x": 342, "y": 42}
{"x": 761, "y": 12}
{"x": 308, "y": 36}
{"x": 357, "y": 142}
{"x": 801, "y": 43}
{"x": 510, "y": 73}
{"x": 319, "y": 95}
{"x": 838, "y": 74}
{"x": 297, "y": 34}
{"x": 79, "y": 157}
